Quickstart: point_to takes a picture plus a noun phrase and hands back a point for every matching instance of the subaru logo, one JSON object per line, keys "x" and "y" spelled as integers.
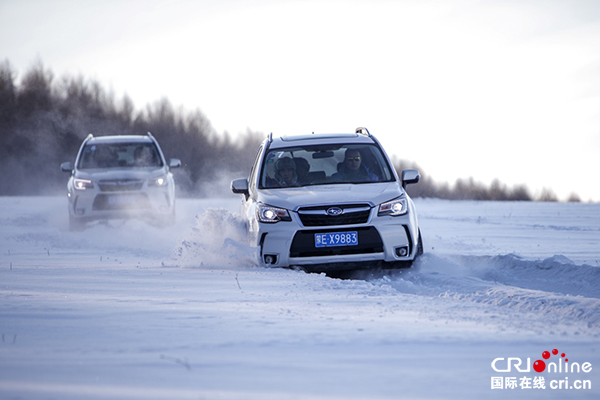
{"x": 334, "y": 211}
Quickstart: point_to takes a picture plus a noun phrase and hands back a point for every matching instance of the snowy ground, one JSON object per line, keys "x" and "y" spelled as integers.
{"x": 131, "y": 311}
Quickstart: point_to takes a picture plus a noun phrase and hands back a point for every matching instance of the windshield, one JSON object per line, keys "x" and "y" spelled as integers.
{"x": 115, "y": 155}
{"x": 324, "y": 164}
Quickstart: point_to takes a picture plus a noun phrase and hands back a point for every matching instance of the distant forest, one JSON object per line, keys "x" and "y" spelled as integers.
{"x": 43, "y": 121}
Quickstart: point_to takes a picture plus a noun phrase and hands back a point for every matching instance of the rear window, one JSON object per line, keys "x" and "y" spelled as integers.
{"x": 324, "y": 164}
{"x": 118, "y": 155}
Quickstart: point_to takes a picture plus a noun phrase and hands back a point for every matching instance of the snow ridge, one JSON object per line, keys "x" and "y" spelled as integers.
{"x": 216, "y": 239}
{"x": 554, "y": 289}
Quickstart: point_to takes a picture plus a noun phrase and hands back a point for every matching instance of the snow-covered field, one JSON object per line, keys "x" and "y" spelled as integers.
{"x": 131, "y": 311}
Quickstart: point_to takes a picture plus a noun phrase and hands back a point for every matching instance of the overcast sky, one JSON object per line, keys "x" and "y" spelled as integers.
{"x": 483, "y": 89}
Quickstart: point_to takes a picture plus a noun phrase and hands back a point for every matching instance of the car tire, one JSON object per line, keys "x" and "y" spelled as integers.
{"x": 76, "y": 224}
{"x": 168, "y": 220}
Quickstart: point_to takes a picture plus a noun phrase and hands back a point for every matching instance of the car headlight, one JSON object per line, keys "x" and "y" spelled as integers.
{"x": 394, "y": 208}
{"x": 160, "y": 181}
{"x": 82, "y": 184}
{"x": 272, "y": 214}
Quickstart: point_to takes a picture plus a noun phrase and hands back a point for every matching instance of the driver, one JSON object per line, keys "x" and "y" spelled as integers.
{"x": 286, "y": 172}
{"x": 353, "y": 170}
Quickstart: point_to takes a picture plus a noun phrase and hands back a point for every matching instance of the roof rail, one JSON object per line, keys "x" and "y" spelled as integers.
{"x": 361, "y": 130}
{"x": 270, "y": 137}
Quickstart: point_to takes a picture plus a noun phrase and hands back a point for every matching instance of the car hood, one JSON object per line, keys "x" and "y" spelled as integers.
{"x": 293, "y": 198}
{"x": 120, "y": 173}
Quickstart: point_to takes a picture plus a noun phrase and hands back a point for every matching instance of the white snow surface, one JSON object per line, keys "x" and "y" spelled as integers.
{"x": 128, "y": 310}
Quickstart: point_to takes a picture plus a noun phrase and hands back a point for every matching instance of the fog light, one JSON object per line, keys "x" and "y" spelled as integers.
{"x": 270, "y": 259}
{"x": 80, "y": 211}
{"x": 402, "y": 251}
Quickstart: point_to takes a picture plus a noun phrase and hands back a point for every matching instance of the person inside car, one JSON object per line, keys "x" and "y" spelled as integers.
{"x": 105, "y": 157}
{"x": 353, "y": 170}
{"x": 302, "y": 169}
{"x": 144, "y": 156}
{"x": 286, "y": 172}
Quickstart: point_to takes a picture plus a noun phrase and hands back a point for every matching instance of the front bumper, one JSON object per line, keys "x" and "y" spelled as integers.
{"x": 94, "y": 204}
{"x": 381, "y": 240}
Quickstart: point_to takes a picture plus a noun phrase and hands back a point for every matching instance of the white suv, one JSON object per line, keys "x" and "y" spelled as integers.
{"x": 329, "y": 202}
{"x": 120, "y": 177}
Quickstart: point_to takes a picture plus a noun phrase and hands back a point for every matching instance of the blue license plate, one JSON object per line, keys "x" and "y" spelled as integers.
{"x": 336, "y": 239}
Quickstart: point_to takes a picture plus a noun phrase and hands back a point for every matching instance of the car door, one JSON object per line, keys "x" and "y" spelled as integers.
{"x": 249, "y": 202}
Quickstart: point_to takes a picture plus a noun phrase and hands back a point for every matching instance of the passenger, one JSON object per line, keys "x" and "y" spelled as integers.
{"x": 353, "y": 170}
{"x": 286, "y": 172}
{"x": 105, "y": 157}
{"x": 143, "y": 156}
{"x": 302, "y": 168}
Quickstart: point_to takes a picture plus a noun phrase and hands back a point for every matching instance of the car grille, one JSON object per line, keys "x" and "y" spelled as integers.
{"x": 350, "y": 214}
{"x": 303, "y": 244}
{"x": 120, "y": 185}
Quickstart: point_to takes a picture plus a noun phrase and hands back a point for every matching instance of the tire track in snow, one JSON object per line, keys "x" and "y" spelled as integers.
{"x": 554, "y": 292}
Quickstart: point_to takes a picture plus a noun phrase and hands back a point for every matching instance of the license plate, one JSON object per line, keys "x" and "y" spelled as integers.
{"x": 336, "y": 239}
{"x": 121, "y": 200}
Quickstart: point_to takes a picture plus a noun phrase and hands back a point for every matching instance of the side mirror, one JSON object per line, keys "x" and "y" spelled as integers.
{"x": 410, "y": 176}
{"x": 174, "y": 163}
{"x": 66, "y": 167}
{"x": 240, "y": 186}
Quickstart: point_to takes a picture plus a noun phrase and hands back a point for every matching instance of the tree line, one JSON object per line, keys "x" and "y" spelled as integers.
{"x": 43, "y": 121}
{"x": 469, "y": 189}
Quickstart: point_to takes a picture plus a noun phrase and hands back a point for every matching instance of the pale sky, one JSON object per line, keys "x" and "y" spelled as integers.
{"x": 484, "y": 89}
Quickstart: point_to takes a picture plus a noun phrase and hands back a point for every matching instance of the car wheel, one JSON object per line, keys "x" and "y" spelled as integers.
{"x": 76, "y": 224}
{"x": 169, "y": 219}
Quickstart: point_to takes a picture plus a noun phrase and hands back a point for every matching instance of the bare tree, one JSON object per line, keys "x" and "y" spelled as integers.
{"x": 42, "y": 123}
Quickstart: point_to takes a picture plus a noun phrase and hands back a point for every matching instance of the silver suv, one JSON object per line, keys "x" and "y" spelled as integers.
{"x": 329, "y": 202}
{"x": 120, "y": 177}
